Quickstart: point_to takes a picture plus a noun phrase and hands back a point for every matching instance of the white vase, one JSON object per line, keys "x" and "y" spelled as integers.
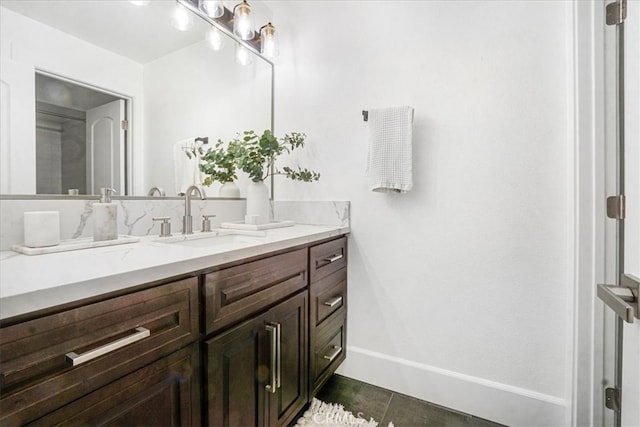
{"x": 258, "y": 206}
{"x": 229, "y": 189}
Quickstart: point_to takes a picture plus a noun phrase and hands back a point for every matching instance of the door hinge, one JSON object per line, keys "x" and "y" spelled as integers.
{"x": 125, "y": 125}
{"x": 612, "y": 398}
{"x": 616, "y": 12}
{"x": 616, "y": 207}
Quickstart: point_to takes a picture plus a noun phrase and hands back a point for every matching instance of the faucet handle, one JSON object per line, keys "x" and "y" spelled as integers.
{"x": 165, "y": 225}
{"x": 206, "y": 222}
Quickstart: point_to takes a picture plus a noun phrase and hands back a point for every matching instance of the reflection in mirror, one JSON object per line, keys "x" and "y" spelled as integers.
{"x": 80, "y": 138}
{"x": 171, "y": 86}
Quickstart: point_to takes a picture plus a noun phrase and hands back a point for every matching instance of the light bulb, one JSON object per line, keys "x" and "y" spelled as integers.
{"x": 269, "y": 41}
{"x": 242, "y": 21}
{"x": 213, "y": 8}
{"x": 140, "y": 2}
{"x": 243, "y": 56}
{"x": 215, "y": 38}
{"x": 182, "y": 18}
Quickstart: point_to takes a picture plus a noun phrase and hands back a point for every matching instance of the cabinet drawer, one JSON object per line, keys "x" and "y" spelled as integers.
{"x": 328, "y": 295}
{"x": 328, "y": 351}
{"x": 164, "y": 393}
{"x": 37, "y": 371}
{"x": 327, "y": 258}
{"x": 232, "y": 294}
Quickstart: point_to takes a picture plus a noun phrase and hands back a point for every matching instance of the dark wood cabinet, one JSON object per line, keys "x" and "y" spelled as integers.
{"x": 242, "y": 344}
{"x": 328, "y": 311}
{"x": 256, "y": 373}
{"x": 48, "y": 362}
{"x": 165, "y": 393}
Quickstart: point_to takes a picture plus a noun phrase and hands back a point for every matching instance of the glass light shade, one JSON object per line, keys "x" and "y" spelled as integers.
{"x": 243, "y": 55}
{"x": 182, "y": 18}
{"x": 269, "y": 41}
{"x": 242, "y": 21}
{"x": 215, "y": 38}
{"x": 213, "y": 8}
{"x": 140, "y": 2}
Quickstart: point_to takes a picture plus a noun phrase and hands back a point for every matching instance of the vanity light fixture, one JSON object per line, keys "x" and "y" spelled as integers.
{"x": 182, "y": 18}
{"x": 213, "y": 8}
{"x": 236, "y": 23}
{"x": 269, "y": 41}
{"x": 215, "y": 39}
{"x": 243, "y": 56}
{"x": 242, "y": 21}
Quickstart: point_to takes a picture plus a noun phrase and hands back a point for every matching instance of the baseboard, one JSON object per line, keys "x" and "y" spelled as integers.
{"x": 491, "y": 400}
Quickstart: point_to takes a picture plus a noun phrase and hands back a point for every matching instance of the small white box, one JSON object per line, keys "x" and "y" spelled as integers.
{"x": 41, "y": 229}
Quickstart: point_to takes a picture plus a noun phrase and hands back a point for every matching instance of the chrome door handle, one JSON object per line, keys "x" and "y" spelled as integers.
{"x": 274, "y": 334}
{"x": 336, "y": 351}
{"x": 333, "y": 258}
{"x": 78, "y": 359}
{"x": 623, "y": 300}
{"x": 333, "y": 302}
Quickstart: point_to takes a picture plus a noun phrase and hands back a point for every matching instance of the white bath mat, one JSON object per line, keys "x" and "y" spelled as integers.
{"x": 321, "y": 414}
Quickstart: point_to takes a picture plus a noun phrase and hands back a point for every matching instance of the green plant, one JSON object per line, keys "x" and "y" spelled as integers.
{"x": 255, "y": 155}
{"x": 217, "y": 163}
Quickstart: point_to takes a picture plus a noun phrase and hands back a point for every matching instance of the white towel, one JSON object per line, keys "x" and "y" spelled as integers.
{"x": 185, "y": 168}
{"x": 389, "y": 160}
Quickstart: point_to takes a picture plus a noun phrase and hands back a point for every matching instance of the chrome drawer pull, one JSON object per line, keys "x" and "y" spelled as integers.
{"x": 333, "y": 258}
{"x": 333, "y": 302}
{"x": 336, "y": 351}
{"x": 78, "y": 359}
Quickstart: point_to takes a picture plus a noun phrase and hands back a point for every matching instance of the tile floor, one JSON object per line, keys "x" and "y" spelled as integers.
{"x": 387, "y": 406}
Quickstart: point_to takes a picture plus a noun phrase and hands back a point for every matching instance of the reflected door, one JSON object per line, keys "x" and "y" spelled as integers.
{"x": 106, "y": 147}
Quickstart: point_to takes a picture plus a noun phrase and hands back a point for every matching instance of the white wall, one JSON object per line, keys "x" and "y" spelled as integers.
{"x": 28, "y": 45}
{"x": 212, "y": 96}
{"x": 459, "y": 291}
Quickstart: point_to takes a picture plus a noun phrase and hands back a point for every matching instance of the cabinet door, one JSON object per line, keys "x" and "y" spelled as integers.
{"x": 236, "y": 374}
{"x": 165, "y": 393}
{"x": 292, "y": 392}
{"x": 242, "y": 362}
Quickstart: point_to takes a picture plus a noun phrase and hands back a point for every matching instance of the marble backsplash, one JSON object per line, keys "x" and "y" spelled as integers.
{"x": 135, "y": 215}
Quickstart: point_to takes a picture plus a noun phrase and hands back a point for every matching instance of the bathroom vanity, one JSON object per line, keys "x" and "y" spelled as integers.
{"x": 246, "y": 340}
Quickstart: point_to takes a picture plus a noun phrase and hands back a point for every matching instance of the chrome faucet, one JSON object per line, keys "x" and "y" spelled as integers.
{"x": 155, "y": 190}
{"x": 187, "y": 219}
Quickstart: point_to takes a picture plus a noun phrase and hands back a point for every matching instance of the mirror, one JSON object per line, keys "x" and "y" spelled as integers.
{"x": 170, "y": 90}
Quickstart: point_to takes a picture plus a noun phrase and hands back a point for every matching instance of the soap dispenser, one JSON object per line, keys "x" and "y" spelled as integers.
{"x": 105, "y": 217}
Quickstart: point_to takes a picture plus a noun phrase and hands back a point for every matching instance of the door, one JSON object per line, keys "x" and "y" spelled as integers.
{"x": 631, "y": 331}
{"x": 106, "y": 147}
{"x": 624, "y": 397}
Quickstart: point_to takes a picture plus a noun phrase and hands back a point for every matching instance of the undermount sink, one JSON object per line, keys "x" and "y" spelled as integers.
{"x": 215, "y": 239}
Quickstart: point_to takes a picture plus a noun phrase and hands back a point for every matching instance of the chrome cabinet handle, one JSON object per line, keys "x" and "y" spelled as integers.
{"x": 279, "y": 354}
{"x": 336, "y": 351}
{"x": 333, "y": 302}
{"x": 78, "y": 359}
{"x": 623, "y": 300}
{"x": 274, "y": 334}
{"x": 333, "y": 258}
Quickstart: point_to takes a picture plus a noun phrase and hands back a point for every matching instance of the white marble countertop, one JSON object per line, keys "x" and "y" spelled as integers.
{"x": 31, "y": 283}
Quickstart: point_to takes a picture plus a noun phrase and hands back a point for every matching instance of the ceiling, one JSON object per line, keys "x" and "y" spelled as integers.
{"x": 140, "y": 33}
